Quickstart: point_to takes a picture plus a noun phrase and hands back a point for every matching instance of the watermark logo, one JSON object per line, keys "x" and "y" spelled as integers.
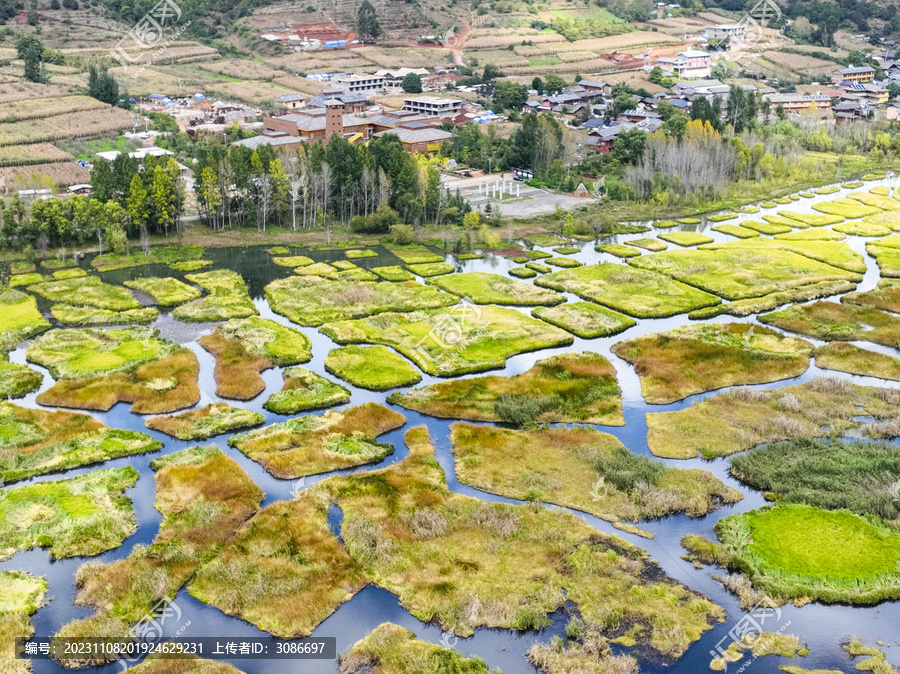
{"x": 598, "y": 189}
{"x": 449, "y": 39}
{"x": 747, "y": 339}
{"x": 4, "y": 190}
{"x": 599, "y": 490}
{"x": 748, "y": 32}
{"x": 894, "y": 490}
{"x": 451, "y": 333}
{"x": 449, "y": 640}
{"x": 147, "y": 34}
{"x": 150, "y": 627}
{"x": 298, "y": 489}
{"x": 754, "y": 628}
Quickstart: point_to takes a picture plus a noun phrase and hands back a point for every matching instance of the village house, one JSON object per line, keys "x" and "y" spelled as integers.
{"x": 688, "y": 65}
{"x": 853, "y": 74}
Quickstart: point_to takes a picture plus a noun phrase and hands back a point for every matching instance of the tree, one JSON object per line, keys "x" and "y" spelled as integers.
{"x": 208, "y": 194}
{"x": 509, "y": 96}
{"x": 412, "y": 83}
{"x": 537, "y": 84}
{"x": 367, "y": 21}
{"x": 163, "y": 198}
{"x": 31, "y": 51}
{"x": 103, "y": 86}
{"x": 491, "y": 72}
{"x": 137, "y": 205}
{"x": 629, "y": 145}
{"x": 554, "y": 84}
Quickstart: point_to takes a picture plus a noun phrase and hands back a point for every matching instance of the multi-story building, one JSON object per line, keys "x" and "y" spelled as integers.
{"x": 734, "y": 31}
{"x": 443, "y": 107}
{"x": 359, "y": 84}
{"x": 853, "y": 74}
{"x": 689, "y": 65}
{"x": 792, "y": 103}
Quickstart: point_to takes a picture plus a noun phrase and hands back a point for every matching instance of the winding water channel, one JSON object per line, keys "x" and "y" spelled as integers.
{"x": 821, "y": 627}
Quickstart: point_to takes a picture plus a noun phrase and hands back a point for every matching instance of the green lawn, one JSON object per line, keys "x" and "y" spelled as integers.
{"x": 482, "y": 288}
{"x": 305, "y": 390}
{"x": 372, "y": 367}
{"x": 227, "y": 297}
{"x": 585, "y": 319}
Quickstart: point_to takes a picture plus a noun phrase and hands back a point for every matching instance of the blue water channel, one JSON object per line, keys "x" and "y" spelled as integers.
{"x": 821, "y": 627}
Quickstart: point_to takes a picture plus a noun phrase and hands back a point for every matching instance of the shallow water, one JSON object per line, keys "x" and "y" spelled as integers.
{"x": 821, "y": 627}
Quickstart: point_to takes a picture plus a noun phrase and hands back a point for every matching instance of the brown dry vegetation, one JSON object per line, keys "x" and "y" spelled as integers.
{"x": 177, "y": 373}
{"x": 204, "y": 498}
{"x": 237, "y": 369}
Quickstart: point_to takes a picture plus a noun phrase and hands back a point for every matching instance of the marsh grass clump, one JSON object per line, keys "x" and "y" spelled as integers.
{"x": 745, "y": 419}
{"x": 165, "y": 291}
{"x": 392, "y": 649}
{"x": 584, "y": 319}
{"x": 885, "y": 297}
{"x": 321, "y": 443}
{"x": 19, "y": 319}
{"x": 245, "y": 347}
{"x": 312, "y": 300}
{"x": 833, "y": 474}
{"x": 582, "y": 469}
{"x": 36, "y": 441}
{"x": 774, "y": 300}
{"x": 393, "y": 273}
{"x": 838, "y": 322}
{"x": 372, "y": 367}
{"x": 521, "y": 569}
{"x": 204, "y": 498}
{"x": 845, "y": 208}
{"x": 579, "y": 387}
{"x": 89, "y": 291}
{"x": 697, "y": 358}
{"x": 17, "y": 380}
{"x": 227, "y": 297}
{"x": 636, "y": 292}
{"x": 96, "y": 369}
{"x": 170, "y": 255}
{"x": 616, "y": 249}
{"x": 792, "y": 550}
{"x": 458, "y": 340}
{"x": 305, "y": 390}
{"x": 79, "y": 517}
{"x": 21, "y": 594}
{"x": 206, "y": 422}
{"x": 684, "y": 238}
{"x": 482, "y": 288}
{"x": 75, "y": 316}
{"x": 414, "y": 254}
{"x": 429, "y": 269}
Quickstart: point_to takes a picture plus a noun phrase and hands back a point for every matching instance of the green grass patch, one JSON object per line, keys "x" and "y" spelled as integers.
{"x": 17, "y": 380}
{"x": 736, "y": 230}
{"x": 21, "y": 594}
{"x": 79, "y": 517}
{"x": 721, "y": 217}
{"x": 838, "y": 322}
{"x": 685, "y": 238}
{"x": 775, "y": 300}
{"x": 320, "y": 443}
{"x": 885, "y": 296}
{"x": 312, "y": 301}
{"x": 204, "y": 498}
{"x": 482, "y": 288}
{"x": 21, "y": 280}
{"x": 765, "y": 227}
{"x": 538, "y": 267}
{"x": 787, "y": 222}
{"x": 889, "y": 219}
{"x": 566, "y": 250}
{"x": 206, "y": 422}
{"x": 19, "y": 319}
{"x": 447, "y": 342}
{"x": 18, "y": 268}
{"x": 833, "y": 474}
{"x": 887, "y": 255}
{"x": 689, "y": 221}
{"x": 37, "y": 441}
{"x": 278, "y": 250}
{"x": 435, "y": 550}
{"x": 522, "y": 272}
{"x": 846, "y": 208}
{"x": 744, "y": 418}
{"x": 356, "y": 254}
{"x": 92, "y": 317}
{"x": 783, "y": 200}
{"x": 62, "y": 274}
{"x": 165, "y": 291}
{"x": 414, "y": 254}
{"x": 166, "y": 255}
{"x": 395, "y": 650}
{"x": 793, "y": 551}
{"x": 395, "y": 273}
{"x": 698, "y": 358}
{"x": 812, "y": 219}
{"x": 828, "y": 252}
{"x": 428, "y": 269}
{"x": 618, "y": 250}
{"x": 96, "y": 369}
{"x": 654, "y": 245}
{"x": 874, "y": 175}
{"x": 564, "y": 262}
{"x": 89, "y": 291}
{"x": 227, "y": 298}
{"x": 813, "y": 234}
{"x": 570, "y": 388}
{"x": 582, "y": 469}
{"x": 372, "y": 367}
{"x": 828, "y": 190}
{"x": 585, "y": 319}
{"x": 852, "y": 359}
{"x": 880, "y": 201}
{"x": 665, "y": 224}
{"x": 637, "y": 292}
{"x": 862, "y": 228}
{"x": 305, "y": 390}
{"x": 853, "y": 184}
{"x": 739, "y": 270}
{"x": 193, "y": 265}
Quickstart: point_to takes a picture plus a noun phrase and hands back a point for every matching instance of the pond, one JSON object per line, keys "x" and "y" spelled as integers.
{"x": 822, "y": 627}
